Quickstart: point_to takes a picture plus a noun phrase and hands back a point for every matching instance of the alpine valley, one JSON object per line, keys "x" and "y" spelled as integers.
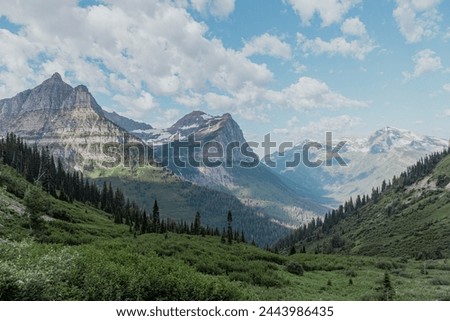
{"x": 94, "y": 207}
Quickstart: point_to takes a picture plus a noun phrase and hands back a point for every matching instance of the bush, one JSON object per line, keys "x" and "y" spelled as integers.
{"x": 439, "y": 281}
{"x": 384, "y": 265}
{"x": 351, "y": 273}
{"x": 60, "y": 214}
{"x": 295, "y": 268}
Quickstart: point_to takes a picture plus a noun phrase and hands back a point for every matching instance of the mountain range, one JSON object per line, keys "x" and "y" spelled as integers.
{"x": 369, "y": 161}
{"x": 75, "y": 127}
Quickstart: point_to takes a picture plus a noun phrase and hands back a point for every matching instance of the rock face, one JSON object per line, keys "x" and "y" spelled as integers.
{"x": 255, "y": 185}
{"x": 67, "y": 119}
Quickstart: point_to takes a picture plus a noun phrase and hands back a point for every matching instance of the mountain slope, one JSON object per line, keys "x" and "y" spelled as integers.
{"x": 385, "y": 153}
{"x": 254, "y": 185}
{"x": 410, "y": 218}
{"x": 83, "y": 255}
{"x": 180, "y": 200}
{"x": 66, "y": 119}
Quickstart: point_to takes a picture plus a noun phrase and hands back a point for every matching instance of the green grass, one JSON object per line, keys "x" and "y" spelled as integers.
{"x": 411, "y": 223}
{"x": 180, "y": 267}
{"x": 80, "y": 254}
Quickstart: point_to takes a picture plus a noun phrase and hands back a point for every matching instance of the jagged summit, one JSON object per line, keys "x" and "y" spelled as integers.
{"x": 58, "y": 115}
{"x": 206, "y": 126}
{"x": 56, "y": 76}
{"x": 49, "y": 97}
{"x": 383, "y": 140}
{"x": 191, "y": 122}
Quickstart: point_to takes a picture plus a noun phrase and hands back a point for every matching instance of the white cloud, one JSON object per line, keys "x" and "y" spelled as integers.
{"x": 150, "y": 49}
{"x": 446, "y": 87}
{"x": 191, "y": 99}
{"x": 315, "y": 130}
{"x": 253, "y": 102}
{"x": 330, "y": 11}
{"x": 447, "y": 35}
{"x": 425, "y": 61}
{"x": 417, "y": 19}
{"x": 293, "y": 121}
{"x": 355, "y": 42}
{"x": 137, "y": 108}
{"x": 299, "y": 68}
{"x": 353, "y": 27}
{"x": 309, "y": 93}
{"x": 167, "y": 118}
{"x": 220, "y": 9}
{"x": 348, "y": 48}
{"x": 447, "y": 113}
{"x": 267, "y": 45}
{"x": 121, "y": 49}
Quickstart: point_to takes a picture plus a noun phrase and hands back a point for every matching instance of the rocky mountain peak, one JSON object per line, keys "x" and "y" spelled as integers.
{"x": 67, "y": 119}
{"x": 80, "y": 97}
{"x": 207, "y": 127}
{"x": 56, "y": 76}
{"x": 190, "y": 122}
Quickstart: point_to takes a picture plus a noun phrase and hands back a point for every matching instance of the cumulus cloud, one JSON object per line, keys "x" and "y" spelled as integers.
{"x": 137, "y": 108}
{"x": 315, "y": 130}
{"x": 269, "y": 45}
{"x": 425, "y": 61}
{"x": 330, "y": 11}
{"x": 167, "y": 117}
{"x": 220, "y": 9}
{"x": 447, "y": 35}
{"x": 139, "y": 52}
{"x": 151, "y": 47}
{"x": 309, "y": 93}
{"x": 253, "y": 102}
{"x": 446, "y": 87}
{"x": 355, "y": 42}
{"x": 293, "y": 121}
{"x": 417, "y": 19}
{"x": 353, "y": 27}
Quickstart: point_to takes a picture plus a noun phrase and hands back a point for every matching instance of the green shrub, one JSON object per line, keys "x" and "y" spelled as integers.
{"x": 295, "y": 268}
{"x": 439, "y": 281}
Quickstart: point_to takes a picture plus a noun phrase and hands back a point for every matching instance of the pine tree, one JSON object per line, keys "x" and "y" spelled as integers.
{"x": 243, "y": 237}
{"x": 36, "y": 205}
{"x": 388, "y": 290}
{"x": 197, "y": 224}
{"x": 155, "y": 217}
{"x": 144, "y": 223}
{"x": 230, "y": 229}
{"x": 292, "y": 251}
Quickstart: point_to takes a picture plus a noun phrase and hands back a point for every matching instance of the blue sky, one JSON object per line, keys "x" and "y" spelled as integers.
{"x": 295, "y": 68}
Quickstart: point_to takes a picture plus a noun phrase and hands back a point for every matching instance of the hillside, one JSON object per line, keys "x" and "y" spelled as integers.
{"x": 180, "y": 200}
{"x": 409, "y": 217}
{"x": 78, "y": 253}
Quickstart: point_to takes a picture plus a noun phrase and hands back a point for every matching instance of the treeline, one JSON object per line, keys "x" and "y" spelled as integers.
{"x": 320, "y": 227}
{"x": 38, "y": 166}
